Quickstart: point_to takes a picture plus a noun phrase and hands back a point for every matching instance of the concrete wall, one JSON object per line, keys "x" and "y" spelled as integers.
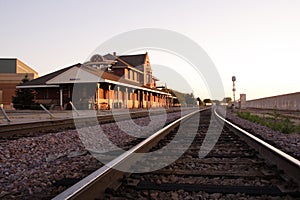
{"x": 281, "y": 102}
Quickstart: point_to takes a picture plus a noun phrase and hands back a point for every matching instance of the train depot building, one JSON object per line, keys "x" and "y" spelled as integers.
{"x": 104, "y": 82}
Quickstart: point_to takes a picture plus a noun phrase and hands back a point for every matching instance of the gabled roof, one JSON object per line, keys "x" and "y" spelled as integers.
{"x": 119, "y": 62}
{"x": 75, "y": 75}
{"x": 134, "y": 60}
{"x": 43, "y": 79}
{"x": 109, "y": 57}
{"x": 85, "y": 74}
{"x": 109, "y": 76}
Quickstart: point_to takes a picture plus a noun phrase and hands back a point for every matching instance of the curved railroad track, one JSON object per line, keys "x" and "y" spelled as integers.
{"x": 231, "y": 170}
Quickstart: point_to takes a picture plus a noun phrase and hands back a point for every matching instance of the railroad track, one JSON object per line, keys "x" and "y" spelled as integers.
{"x": 232, "y": 169}
{"x": 14, "y": 131}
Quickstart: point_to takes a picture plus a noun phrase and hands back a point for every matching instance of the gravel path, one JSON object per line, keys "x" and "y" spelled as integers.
{"x": 289, "y": 143}
{"x": 42, "y": 167}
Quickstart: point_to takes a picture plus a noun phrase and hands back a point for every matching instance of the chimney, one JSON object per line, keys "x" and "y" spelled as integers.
{"x": 114, "y": 54}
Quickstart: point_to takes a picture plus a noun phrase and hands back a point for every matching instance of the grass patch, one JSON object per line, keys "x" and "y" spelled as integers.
{"x": 275, "y": 121}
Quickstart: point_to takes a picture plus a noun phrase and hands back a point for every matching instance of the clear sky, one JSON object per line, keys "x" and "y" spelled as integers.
{"x": 258, "y": 41}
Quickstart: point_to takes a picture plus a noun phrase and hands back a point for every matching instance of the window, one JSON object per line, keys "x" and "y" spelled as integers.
{"x": 135, "y": 76}
{"x": 1, "y": 96}
{"x": 148, "y": 79}
{"x": 131, "y": 76}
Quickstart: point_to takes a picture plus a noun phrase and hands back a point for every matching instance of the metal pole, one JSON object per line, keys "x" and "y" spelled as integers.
{"x": 4, "y": 114}
{"x": 233, "y": 87}
{"x": 47, "y": 111}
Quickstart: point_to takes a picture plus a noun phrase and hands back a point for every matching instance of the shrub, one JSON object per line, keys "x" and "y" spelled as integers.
{"x": 276, "y": 122}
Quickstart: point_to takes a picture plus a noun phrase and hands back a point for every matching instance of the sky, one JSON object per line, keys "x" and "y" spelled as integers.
{"x": 257, "y": 41}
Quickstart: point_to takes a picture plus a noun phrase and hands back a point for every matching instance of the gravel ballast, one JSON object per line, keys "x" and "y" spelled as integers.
{"x": 42, "y": 167}
{"x": 288, "y": 143}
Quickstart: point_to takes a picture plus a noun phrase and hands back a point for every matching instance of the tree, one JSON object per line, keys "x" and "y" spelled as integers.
{"x": 217, "y": 102}
{"x": 200, "y": 101}
{"x": 184, "y": 99}
{"x": 227, "y": 100}
{"x": 207, "y": 101}
{"x": 190, "y": 99}
{"x": 24, "y": 98}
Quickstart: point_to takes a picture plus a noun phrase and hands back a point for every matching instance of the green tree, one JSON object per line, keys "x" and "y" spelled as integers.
{"x": 184, "y": 99}
{"x": 200, "y": 101}
{"x": 24, "y": 98}
{"x": 207, "y": 101}
{"x": 190, "y": 99}
{"x": 179, "y": 97}
{"x": 227, "y": 100}
{"x": 217, "y": 102}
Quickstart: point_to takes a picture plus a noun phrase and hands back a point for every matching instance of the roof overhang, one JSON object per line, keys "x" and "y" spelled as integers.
{"x": 36, "y": 86}
{"x": 75, "y": 75}
{"x": 133, "y": 86}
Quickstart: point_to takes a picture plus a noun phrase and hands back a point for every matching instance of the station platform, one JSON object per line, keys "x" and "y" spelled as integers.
{"x": 28, "y": 116}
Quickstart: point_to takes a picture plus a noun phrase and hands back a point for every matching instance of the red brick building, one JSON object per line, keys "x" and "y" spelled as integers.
{"x": 12, "y": 71}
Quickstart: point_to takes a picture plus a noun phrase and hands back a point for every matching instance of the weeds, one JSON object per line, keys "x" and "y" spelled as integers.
{"x": 275, "y": 122}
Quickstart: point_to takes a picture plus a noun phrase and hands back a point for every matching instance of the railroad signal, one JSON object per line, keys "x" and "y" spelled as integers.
{"x": 233, "y": 87}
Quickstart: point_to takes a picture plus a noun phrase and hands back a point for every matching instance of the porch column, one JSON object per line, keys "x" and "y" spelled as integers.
{"x": 139, "y": 99}
{"x": 98, "y": 96}
{"x": 126, "y": 97}
{"x": 143, "y": 97}
{"x": 151, "y": 99}
{"x": 147, "y": 100}
{"x": 167, "y": 103}
{"x": 61, "y": 98}
{"x": 133, "y": 98}
{"x": 158, "y": 100}
{"x": 118, "y": 97}
{"x": 108, "y": 98}
{"x": 69, "y": 91}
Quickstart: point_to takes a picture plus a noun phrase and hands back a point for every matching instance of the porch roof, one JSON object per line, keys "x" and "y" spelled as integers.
{"x": 83, "y": 74}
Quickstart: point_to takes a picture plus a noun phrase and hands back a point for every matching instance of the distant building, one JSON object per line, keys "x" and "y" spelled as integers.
{"x": 12, "y": 71}
{"x": 104, "y": 82}
{"x": 289, "y": 101}
{"x": 242, "y": 100}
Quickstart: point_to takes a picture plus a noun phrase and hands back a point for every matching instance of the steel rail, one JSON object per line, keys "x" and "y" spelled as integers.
{"x": 95, "y": 184}
{"x": 19, "y": 129}
{"x": 289, "y": 164}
